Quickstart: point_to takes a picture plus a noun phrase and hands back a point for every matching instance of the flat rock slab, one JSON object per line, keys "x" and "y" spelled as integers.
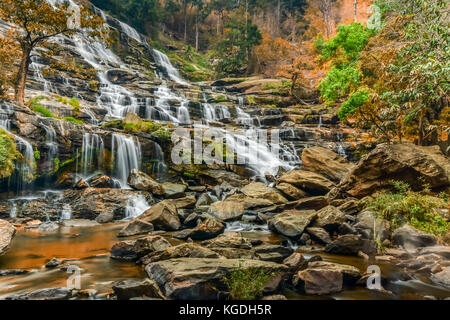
{"x": 7, "y": 233}
{"x": 200, "y": 278}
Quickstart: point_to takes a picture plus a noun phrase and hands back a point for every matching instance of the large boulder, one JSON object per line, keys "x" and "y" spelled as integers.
{"x": 318, "y": 281}
{"x": 229, "y": 240}
{"x": 410, "y": 238}
{"x": 201, "y": 278}
{"x": 292, "y": 223}
{"x": 141, "y": 181}
{"x": 329, "y": 218}
{"x": 309, "y": 181}
{"x": 350, "y": 274}
{"x": 227, "y": 210}
{"x": 136, "y": 227}
{"x": 173, "y": 190}
{"x": 7, "y": 233}
{"x": 351, "y": 245}
{"x": 442, "y": 278}
{"x": 162, "y": 216}
{"x": 319, "y": 235}
{"x": 260, "y": 190}
{"x": 370, "y": 227}
{"x": 405, "y": 162}
{"x": 326, "y": 163}
{"x": 132, "y": 250}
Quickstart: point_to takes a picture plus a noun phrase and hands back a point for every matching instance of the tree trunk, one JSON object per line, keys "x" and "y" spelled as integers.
{"x": 279, "y": 18}
{"x": 22, "y": 76}
{"x": 420, "y": 128}
{"x": 185, "y": 20}
{"x": 196, "y": 35}
{"x": 355, "y": 4}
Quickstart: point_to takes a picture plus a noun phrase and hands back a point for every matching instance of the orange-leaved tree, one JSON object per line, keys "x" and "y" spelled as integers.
{"x": 34, "y": 23}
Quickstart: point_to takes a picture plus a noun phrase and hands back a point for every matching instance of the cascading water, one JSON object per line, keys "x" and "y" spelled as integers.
{"x": 50, "y": 142}
{"x": 6, "y": 111}
{"x": 163, "y": 61}
{"x": 92, "y": 154}
{"x": 130, "y": 31}
{"x": 127, "y": 156}
{"x": 66, "y": 213}
{"x": 136, "y": 206}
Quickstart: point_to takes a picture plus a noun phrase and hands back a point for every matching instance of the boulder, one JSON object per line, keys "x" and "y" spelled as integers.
{"x": 443, "y": 251}
{"x": 204, "y": 200}
{"x": 260, "y": 190}
{"x": 101, "y": 181}
{"x": 7, "y": 233}
{"x": 141, "y": 181}
{"x": 291, "y": 192}
{"x": 319, "y": 235}
{"x": 329, "y": 218}
{"x": 127, "y": 289}
{"x": 229, "y": 240}
{"x": 250, "y": 203}
{"x": 411, "y": 238}
{"x": 81, "y": 184}
{"x": 273, "y": 252}
{"x": 351, "y": 245}
{"x": 201, "y": 278}
{"x": 442, "y": 278}
{"x": 207, "y": 229}
{"x": 162, "y": 216}
{"x": 136, "y": 227}
{"x": 311, "y": 182}
{"x": 318, "y": 281}
{"x": 53, "y": 263}
{"x": 185, "y": 250}
{"x": 227, "y": 210}
{"x": 295, "y": 262}
{"x": 173, "y": 190}
{"x": 326, "y": 163}
{"x": 144, "y": 246}
{"x": 292, "y": 223}
{"x": 406, "y": 162}
{"x": 185, "y": 202}
{"x": 124, "y": 250}
{"x": 311, "y": 203}
{"x": 349, "y": 273}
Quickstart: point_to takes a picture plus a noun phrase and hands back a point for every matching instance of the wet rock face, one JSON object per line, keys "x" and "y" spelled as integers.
{"x": 311, "y": 182}
{"x": 200, "y": 278}
{"x": 44, "y": 294}
{"x": 163, "y": 216}
{"x": 405, "y": 162}
{"x": 351, "y": 245}
{"x": 141, "y": 181}
{"x": 7, "y": 233}
{"x": 227, "y": 210}
{"x": 125, "y": 290}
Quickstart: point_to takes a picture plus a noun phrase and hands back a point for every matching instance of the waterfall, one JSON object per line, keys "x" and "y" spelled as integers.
{"x": 340, "y": 148}
{"x": 320, "y": 121}
{"x": 136, "y": 206}
{"x": 50, "y": 142}
{"x": 92, "y": 153}
{"x": 37, "y": 69}
{"x": 6, "y": 111}
{"x": 26, "y": 166}
{"x": 244, "y": 118}
{"x": 130, "y": 32}
{"x": 127, "y": 155}
{"x": 183, "y": 113}
{"x": 163, "y": 61}
{"x": 13, "y": 212}
{"x": 66, "y": 213}
{"x": 159, "y": 167}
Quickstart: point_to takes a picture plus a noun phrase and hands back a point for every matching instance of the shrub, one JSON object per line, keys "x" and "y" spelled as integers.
{"x": 37, "y": 155}
{"x": 42, "y": 110}
{"x": 75, "y": 103}
{"x": 405, "y": 206}
{"x": 338, "y": 82}
{"x": 355, "y": 101}
{"x": 246, "y": 284}
{"x": 8, "y": 153}
{"x": 93, "y": 85}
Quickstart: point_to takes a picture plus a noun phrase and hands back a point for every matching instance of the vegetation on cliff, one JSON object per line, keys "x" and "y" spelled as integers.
{"x": 8, "y": 154}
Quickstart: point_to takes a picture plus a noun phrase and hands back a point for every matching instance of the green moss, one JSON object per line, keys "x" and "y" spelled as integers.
{"x": 405, "y": 206}
{"x": 246, "y": 284}
{"x": 73, "y": 120}
{"x": 56, "y": 163}
{"x": 37, "y": 155}
{"x": 93, "y": 85}
{"x": 163, "y": 134}
{"x": 189, "y": 175}
{"x": 220, "y": 99}
{"x": 8, "y": 153}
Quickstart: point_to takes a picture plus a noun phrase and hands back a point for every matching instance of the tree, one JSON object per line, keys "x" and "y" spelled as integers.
{"x": 37, "y": 22}
{"x": 8, "y": 53}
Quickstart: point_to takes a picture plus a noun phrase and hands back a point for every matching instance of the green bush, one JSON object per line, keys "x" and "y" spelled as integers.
{"x": 246, "y": 284}
{"x": 37, "y": 155}
{"x": 42, "y": 110}
{"x": 338, "y": 82}
{"x": 405, "y": 206}
{"x": 8, "y": 153}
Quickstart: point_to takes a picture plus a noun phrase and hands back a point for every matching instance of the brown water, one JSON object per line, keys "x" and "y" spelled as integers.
{"x": 88, "y": 248}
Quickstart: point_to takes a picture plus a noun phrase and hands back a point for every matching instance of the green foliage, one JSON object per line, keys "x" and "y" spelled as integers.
{"x": 73, "y": 120}
{"x": 246, "y": 284}
{"x": 8, "y": 153}
{"x": 163, "y": 134}
{"x": 75, "y": 103}
{"x": 355, "y": 100}
{"x": 220, "y": 99}
{"x": 56, "y": 162}
{"x": 416, "y": 209}
{"x": 37, "y": 155}
{"x": 189, "y": 175}
{"x": 351, "y": 38}
{"x": 42, "y": 110}
{"x": 338, "y": 82}
{"x": 93, "y": 85}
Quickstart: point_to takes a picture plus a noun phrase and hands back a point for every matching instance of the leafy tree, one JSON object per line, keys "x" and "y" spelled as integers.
{"x": 37, "y": 22}
{"x": 8, "y": 153}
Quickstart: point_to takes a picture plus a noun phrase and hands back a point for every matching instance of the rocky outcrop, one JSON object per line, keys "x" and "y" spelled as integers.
{"x": 329, "y": 218}
{"x": 207, "y": 229}
{"x": 7, "y": 233}
{"x": 405, "y": 162}
{"x": 311, "y": 182}
{"x": 318, "y": 281}
{"x": 136, "y": 227}
{"x": 185, "y": 250}
{"x": 201, "y": 279}
{"x": 261, "y": 191}
{"x": 291, "y": 192}
{"x": 442, "y": 278}
{"x": 52, "y": 294}
{"x": 326, "y": 163}
{"x": 127, "y": 289}
{"x": 132, "y": 250}
{"x": 411, "y": 238}
{"x": 141, "y": 181}
{"x": 292, "y": 223}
